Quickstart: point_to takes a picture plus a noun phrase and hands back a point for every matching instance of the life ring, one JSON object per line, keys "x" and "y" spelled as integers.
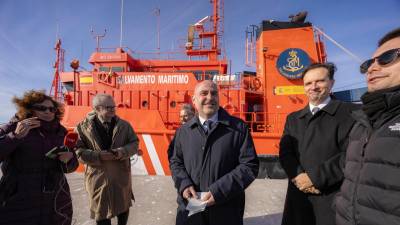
{"x": 255, "y": 84}
{"x": 103, "y": 77}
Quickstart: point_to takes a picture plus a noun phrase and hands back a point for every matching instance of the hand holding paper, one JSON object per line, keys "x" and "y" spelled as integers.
{"x": 195, "y": 205}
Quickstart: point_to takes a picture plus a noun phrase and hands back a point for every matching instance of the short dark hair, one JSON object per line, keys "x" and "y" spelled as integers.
{"x": 328, "y": 65}
{"x": 389, "y": 36}
{"x": 188, "y": 108}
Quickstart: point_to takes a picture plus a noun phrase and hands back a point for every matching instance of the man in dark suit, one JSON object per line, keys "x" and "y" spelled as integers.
{"x": 187, "y": 113}
{"x": 213, "y": 154}
{"x": 312, "y": 146}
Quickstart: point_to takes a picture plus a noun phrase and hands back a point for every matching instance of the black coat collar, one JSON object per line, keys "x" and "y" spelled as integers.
{"x": 223, "y": 118}
{"x": 331, "y": 108}
{"x": 361, "y": 117}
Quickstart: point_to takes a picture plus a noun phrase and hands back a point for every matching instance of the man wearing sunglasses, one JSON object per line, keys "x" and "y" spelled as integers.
{"x": 105, "y": 146}
{"x": 370, "y": 191}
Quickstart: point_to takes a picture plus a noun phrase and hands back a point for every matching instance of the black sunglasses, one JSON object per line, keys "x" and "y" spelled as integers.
{"x": 43, "y": 108}
{"x": 383, "y": 59}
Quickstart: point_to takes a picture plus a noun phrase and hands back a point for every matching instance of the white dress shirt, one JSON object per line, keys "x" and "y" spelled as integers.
{"x": 213, "y": 118}
{"x": 320, "y": 106}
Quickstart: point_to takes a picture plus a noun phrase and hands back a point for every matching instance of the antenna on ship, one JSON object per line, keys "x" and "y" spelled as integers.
{"x": 56, "y": 89}
{"x": 157, "y": 14}
{"x": 98, "y": 36}
{"x": 347, "y": 51}
{"x": 122, "y": 15}
{"x": 57, "y": 29}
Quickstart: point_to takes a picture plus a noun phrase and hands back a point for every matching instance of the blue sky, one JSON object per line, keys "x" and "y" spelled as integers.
{"x": 28, "y": 30}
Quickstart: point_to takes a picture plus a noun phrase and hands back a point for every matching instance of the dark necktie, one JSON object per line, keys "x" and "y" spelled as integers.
{"x": 207, "y": 126}
{"x": 315, "y": 110}
{"x": 107, "y": 126}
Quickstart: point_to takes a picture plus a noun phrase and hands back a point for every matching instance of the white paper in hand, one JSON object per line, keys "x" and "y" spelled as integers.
{"x": 196, "y": 205}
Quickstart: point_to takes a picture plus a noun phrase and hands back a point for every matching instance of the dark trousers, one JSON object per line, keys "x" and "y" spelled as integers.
{"x": 122, "y": 219}
{"x": 202, "y": 218}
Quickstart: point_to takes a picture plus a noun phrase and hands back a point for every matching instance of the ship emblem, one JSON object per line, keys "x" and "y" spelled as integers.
{"x": 292, "y": 62}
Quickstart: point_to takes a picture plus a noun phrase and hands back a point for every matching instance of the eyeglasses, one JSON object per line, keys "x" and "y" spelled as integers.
{"x": 109, "y": 108}
{"x": 383, "y": 59}
{"x": 43, "y": 108}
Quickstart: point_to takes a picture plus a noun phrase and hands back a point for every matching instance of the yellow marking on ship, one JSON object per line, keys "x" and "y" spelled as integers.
{"x": 289, "y": 90}
{"x": 86, "y": 80}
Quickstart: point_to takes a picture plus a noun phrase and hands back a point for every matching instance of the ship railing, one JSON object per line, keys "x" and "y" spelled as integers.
{"x": 170, "y": 55}
{"x": 257, "y": 121}
{"x": 263, "y": 122}
{"x": 156, "y": 55}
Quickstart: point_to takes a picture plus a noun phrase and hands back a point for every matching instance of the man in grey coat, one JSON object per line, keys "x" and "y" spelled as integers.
{"x": 214, "y": 154}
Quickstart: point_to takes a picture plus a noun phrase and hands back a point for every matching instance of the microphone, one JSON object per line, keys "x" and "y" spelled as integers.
{"x": 70, "y": 140}
{"x": 69, "y": 144}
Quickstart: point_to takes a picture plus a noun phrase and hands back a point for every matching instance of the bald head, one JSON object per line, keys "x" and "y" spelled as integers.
{"x": 205, "y": 98}
{"x": 205, "y": 83}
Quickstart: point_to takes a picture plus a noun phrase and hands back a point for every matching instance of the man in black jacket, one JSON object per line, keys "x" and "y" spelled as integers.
{"x": 214, "y": 154}
{"x": 313, "y": 143}
{"x": 370, "y": 191}
{"x": 187, "y": 113}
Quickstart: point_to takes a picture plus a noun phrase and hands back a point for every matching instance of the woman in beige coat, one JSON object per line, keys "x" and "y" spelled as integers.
{"x": 105, "y": 146}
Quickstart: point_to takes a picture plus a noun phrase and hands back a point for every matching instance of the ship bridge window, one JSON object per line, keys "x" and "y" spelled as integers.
{"x": 210, "y": 74}
{"x": 198, "y": 74}
{"x": 69, "y": 85}
{"x": 117, "y": 69}
{"x": 113, "y": 69}
{"x": 202, "y": 75}
{"x": 104, "y": 69}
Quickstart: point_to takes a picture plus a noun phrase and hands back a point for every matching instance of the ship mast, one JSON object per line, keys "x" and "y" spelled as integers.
{"x": 157, "y": 13}
{"x": 196, "y": 46}
{"x": 121, "y": 23}
{"x": 98, "y": 37}
{"x": 55, "y": 90}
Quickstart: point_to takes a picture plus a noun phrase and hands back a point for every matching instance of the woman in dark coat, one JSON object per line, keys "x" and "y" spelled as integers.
{"x": 34, "y": 189}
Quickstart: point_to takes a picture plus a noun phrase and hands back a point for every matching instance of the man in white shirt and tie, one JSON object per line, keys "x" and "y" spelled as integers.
{"x": 312, "y": 148}
{"x": 214, "y": 154}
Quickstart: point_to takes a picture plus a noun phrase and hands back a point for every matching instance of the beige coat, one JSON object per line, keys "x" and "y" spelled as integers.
{"x": 108, "y": 183}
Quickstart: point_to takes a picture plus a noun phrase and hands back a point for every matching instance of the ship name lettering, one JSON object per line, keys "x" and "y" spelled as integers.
{"x": 141, "y": 79}
{"x": 173, "y": 79}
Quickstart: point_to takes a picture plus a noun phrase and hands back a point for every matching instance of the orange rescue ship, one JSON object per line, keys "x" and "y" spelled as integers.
{"x": 149, "y": 92}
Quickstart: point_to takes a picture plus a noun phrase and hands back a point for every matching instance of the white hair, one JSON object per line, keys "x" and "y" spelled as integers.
{"x": 99, "y": 98}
